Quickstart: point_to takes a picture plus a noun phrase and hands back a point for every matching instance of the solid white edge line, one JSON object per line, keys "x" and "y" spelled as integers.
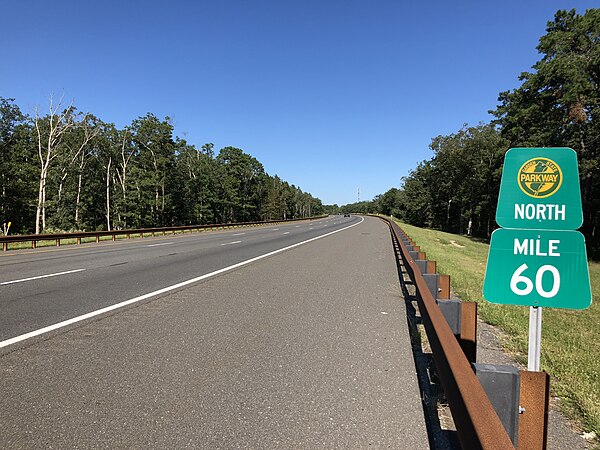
{"x": 41, "y": 276}
{"x": 89, "y": 315}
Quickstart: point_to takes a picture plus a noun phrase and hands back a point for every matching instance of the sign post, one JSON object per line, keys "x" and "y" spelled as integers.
{"x": 535, "y": 338}
{"x": 537, "y": 259}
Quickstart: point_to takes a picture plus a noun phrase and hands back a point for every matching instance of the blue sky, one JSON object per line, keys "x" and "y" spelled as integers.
{"x": 330, "y": 95}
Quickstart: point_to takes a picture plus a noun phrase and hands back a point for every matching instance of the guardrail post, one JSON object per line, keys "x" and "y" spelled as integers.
{"x": 444, "y": 287}
{"x": 461, "y": 316}
{"x": 468, "y": 330}
{"x": 502, "y": 386}
{"x": 533, "y": 421}
{"x": 431, "y": 280}
{"x": 58, "y": 242}
{"x": 452, "y": 312}
{"x": 78, "y": 241}
{"x": 33, "y": 244}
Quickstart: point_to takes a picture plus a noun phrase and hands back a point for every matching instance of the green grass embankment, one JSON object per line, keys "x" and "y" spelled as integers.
{"x": 570, "y": 339}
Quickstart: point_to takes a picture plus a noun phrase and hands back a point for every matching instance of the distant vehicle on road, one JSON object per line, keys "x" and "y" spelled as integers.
{"x": 346, "y": 215}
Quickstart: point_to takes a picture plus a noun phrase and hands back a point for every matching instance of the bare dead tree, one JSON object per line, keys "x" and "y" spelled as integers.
{"x": 122, "y": 169}
{"x": 108, "y": 193}
{"x": 48, "y": 140}
{"x": 89, "y": 132}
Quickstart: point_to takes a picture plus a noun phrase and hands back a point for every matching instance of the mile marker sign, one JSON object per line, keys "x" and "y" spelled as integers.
{"x": 538, "y": 268}
{"x": 536, "y": 259}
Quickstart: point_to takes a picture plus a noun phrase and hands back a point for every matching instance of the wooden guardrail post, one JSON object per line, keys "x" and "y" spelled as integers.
{"x": 534, "y": 401}
{"x": 468, "y": 330}
{"x": 444, "y": 287}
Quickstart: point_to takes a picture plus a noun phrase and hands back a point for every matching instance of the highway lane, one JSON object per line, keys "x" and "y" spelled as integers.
{"x": 94, "y": 276}
{"x": 307, "y": 348}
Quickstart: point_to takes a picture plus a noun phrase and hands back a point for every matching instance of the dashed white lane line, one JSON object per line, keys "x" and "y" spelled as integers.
{"x": 98, "y": 312}
{"x": 287, "y": 232}
{"x": 231, "y": 243}
{"x": 41, "y": 276}
{"x": 158, "y": 245}
{"x": 238, "y": 234}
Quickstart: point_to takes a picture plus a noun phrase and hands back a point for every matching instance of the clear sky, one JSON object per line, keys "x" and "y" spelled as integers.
{"x": 331, "y": 95}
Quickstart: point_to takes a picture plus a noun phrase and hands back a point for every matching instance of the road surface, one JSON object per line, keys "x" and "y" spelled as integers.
{"x": 288, "y": 336}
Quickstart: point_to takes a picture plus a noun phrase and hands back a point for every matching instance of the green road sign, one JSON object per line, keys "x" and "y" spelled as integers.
{"x": 538, "y": 268}
{"x": 540, "y": 189}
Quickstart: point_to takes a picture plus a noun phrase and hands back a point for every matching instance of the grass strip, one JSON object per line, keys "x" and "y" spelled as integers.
{"x": 570, "y": 338}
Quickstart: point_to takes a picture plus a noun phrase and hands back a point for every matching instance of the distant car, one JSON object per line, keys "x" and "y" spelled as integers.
{"x": 346, "y": 215}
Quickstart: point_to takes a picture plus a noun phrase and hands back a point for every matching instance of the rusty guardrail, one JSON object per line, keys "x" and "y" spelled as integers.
{"x": 477, "y": 423}
{"x": 78, "y": 236}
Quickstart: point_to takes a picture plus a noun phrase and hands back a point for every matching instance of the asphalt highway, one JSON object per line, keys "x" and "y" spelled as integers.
{"x": 45, "y": 286}
{"x": 287, "y": 336}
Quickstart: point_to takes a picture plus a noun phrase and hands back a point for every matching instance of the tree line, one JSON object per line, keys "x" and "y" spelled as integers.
{"x": 556, "y": 105}
{"x": 67, "y": 170}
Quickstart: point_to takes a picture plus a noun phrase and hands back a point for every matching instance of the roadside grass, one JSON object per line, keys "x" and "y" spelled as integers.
{"x": 570, "y": 338}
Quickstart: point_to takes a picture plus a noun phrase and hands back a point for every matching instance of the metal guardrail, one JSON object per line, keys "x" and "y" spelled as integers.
{"x": 477, "y": 423}
{"x": 34, "y": 238}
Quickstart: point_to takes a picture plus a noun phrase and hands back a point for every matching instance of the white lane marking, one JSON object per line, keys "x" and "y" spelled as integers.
{"x": 275, "y": 229}
{"x": 310, "y": 228}
{"x": 287, "y": 232}
{"x": 297, "y": 226}
{"x": 231, "y": 243}
{"x": 89, "y": 315}
{"x": 238, "y": 234}
{"x": 41, "y": 276}
{"x": 162, "y": 243}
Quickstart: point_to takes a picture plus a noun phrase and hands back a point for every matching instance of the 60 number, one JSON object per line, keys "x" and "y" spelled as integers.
{"x": 521, "y": 285}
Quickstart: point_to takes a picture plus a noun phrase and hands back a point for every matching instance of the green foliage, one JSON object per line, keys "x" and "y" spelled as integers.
{"x": 17, "y": 168}
{"x": 456, "y": 189}
{"x": 100, "y": 177}
{"x": 557, "y": 105}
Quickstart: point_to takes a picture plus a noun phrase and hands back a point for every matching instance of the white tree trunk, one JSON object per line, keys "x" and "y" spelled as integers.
{"x": 58, "y": 123}
{"x": 108, "y": 194}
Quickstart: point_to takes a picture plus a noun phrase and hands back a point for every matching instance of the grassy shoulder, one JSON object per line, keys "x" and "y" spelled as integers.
{"x": 570, "y": 339}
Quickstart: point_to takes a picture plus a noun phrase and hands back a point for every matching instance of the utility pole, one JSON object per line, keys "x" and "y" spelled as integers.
{"x": 358, "y": 195}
